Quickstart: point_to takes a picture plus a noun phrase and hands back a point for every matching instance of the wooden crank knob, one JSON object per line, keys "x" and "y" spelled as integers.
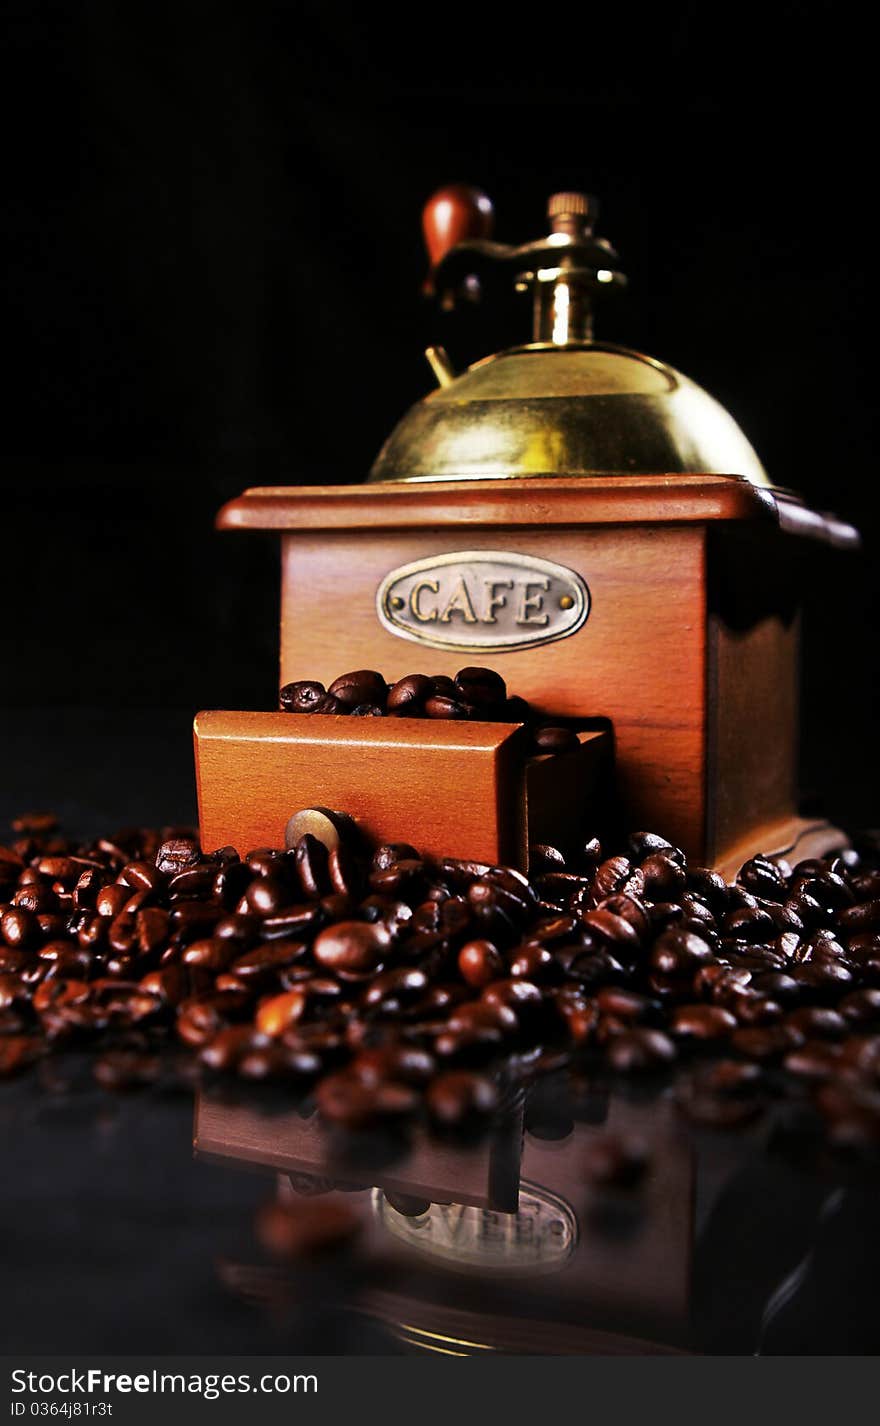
{"x": 455, "y": 214}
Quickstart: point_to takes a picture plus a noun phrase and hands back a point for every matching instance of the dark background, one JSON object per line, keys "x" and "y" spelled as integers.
{"x": 212, "y": 221}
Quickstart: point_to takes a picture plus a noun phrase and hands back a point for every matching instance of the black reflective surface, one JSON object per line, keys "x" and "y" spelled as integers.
{"x": 119, "y": 1237}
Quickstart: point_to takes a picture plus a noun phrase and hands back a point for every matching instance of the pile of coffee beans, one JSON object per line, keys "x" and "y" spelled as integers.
{"x": 393, "y": 985}
{"x": 476, "y": 693}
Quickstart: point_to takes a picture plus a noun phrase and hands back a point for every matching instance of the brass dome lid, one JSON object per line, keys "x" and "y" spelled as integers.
{"x": 591, "y": 409}
{"x": 565, "y": 405}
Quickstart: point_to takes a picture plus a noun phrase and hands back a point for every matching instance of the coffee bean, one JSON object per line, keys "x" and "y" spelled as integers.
{"x": 302, "y": 697}
{"x": 403, "y": 1064}
{"x": 861, "y": 1007}
{"x": 437, "y": 705}
{"x": 550, "y": 738}
{"x": 479, "y": 962}
{"x": 177, "y": 855}
{"x": 817, "y": 1022}
{"x": 641, "y": 1050}
{"x": 278, "y": 1014}
{"x": 815, "y": 1060}
{"x": 364, "y": 686}
{"x": 459, "y": 1097}
{"x": 345, "y": 1099}
{"x": 768, "y": 1042}
{"x": 351, "y": 946}
{"x": 19, "y": 928}
{"x": 543, "y": 857}
{"x": 480, "y": 686}
{"x": 702, "y": 1022}
{"x": 663, "y": 876}
{"x": 407, "y": 696}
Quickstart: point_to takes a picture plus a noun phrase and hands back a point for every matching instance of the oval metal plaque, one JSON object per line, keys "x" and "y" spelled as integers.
{"x": 538, "y": 1238}
{"x": 482, "y": 599}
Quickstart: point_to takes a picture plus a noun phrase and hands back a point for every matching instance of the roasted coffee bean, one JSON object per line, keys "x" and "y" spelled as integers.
{"x": 777, "y": 985}
{"x": 577, "y": 1012}
{"x": 302, "y": 697}
{"x": 679, "y": 953}
{"x": 488, "y": 1021}
{"x": 228, "y": 1046}
{"x": 766, "y": 1042}
{"x": 437, "y": 705}
{"x": 408, "y": 695}
{"x": 817, "y": 1022}
{"x": 292, "y": 922}
{"x": 664, "y": 877}
{"x": 351, "y": 946}
{"x": 702, "y": 1022}
{"x": 195, "y": 883}
{"x": 639, "y": 1051}
{"x": 364, "y": 686}
{"x": 459, "y": 1097}
{"x": 523, "y": 997}
{"x": 403, "y": 1064}
{"x": 861, "y": 1007}
{"x": 35, "y": 898}
{"x": 534, "y": 963}
{"x": 264, "y": 960}
{"x": 480, "y": 962}
{"x": 750, "y": 1008}
{"x": 281, "y": 1012}
{"x": 749, "y": 924}
{"x": 730, "y": 1077}
{"x": 393, "y": 991}
{"x": 626, "y": 1005}
{"x": 543, "y": 857}
{"x": 266, "y": 895}
{"x": 640, "y": 845}
{"x": 391, "y": 853}
{"x": 816, "y": 1060}
{"x": 311, "y": 861}
{"x": 480, "y": 686}
{"x": 19, "y": 928}
{"x": 611, "y": 877}
{"x": 762, "y": 877}
{"x": 177, "y": 855}
{"x": 344, "y": 871}
{"x": 345, "y": 1099}
{"x": 552, "y": 738}
{"x": 855, "y": 920}
{"x": 111, "y": 899}
{"x": 617, "y": 932}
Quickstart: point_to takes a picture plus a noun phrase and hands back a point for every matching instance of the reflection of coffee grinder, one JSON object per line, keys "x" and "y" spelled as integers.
{"x": 502, "y": 1245}
{"x": 581, "y": 517}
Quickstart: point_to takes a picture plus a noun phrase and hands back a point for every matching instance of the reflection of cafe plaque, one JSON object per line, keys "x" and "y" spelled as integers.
{"x": 539, "y": 1237}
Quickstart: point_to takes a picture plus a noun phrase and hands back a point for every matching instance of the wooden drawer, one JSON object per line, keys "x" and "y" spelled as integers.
{"x": 449, "y": 788}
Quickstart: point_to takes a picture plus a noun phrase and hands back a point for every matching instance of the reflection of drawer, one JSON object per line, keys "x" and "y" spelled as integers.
{"x": 450, "y": 788}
